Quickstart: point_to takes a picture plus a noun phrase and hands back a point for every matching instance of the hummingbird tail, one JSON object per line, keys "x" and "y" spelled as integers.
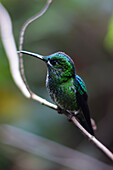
{"x": 85, "y": 124}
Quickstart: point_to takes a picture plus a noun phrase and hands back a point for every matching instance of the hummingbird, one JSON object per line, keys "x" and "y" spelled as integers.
{"x": 66, "y": 88}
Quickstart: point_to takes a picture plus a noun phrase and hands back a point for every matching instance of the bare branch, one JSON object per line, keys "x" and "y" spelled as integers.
{"x": 43, "y": 101}
{"x": 10, "y": 48}
{"x": 22, "y": 39}
{"x": 11, "y": 51}
{"x": 32, "y": 95}
{"x": 51, "y": 151}
{"x": 30, "y": 21}
{"x": 93, "y": 139}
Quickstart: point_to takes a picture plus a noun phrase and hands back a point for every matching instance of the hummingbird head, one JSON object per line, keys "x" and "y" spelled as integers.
{"x": 59, "y": 65}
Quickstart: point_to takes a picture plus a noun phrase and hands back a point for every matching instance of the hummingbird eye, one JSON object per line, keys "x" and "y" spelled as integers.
{"x": 53, "y": 62}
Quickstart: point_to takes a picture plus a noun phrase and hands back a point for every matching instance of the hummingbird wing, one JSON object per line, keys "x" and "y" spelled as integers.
{"x": 84, "y": 117}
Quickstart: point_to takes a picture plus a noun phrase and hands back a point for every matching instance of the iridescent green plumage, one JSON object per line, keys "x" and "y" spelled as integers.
{"x": 62, "y": 81}
{"x": 66, "y": 88}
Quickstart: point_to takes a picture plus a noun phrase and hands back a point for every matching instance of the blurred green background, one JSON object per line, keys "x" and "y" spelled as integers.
{"x": 84, "y": 30}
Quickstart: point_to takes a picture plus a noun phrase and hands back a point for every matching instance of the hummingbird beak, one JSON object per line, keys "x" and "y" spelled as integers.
{"x": 33, "y": 54}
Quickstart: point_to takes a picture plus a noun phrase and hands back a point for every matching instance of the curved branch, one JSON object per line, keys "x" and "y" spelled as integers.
{"x": 10, "y": 48}
{"x": 26, "y": 24}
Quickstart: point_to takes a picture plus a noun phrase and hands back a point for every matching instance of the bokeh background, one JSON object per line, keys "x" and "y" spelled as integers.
{"x": 84, "y": 30}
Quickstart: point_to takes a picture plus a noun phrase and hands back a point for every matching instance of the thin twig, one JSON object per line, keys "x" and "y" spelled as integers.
{"x": 22, "y": 39}
{"x": 32, "y": 95}
{"x": 30, "y": 21}
{"x": 93, "y": 139}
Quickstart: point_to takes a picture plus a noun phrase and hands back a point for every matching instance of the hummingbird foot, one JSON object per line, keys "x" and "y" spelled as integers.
{"x": 68, "y": 114}
{"x": 60, "y": 111}
{"x": 69, "y": 117}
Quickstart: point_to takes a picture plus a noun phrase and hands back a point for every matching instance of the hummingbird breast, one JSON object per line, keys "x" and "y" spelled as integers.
{"x": 63, "y": 94}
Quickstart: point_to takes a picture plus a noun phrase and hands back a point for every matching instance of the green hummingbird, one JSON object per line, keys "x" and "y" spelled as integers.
{"x": 66, "y": 88}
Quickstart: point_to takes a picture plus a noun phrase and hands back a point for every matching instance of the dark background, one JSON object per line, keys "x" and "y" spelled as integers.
{"x": 84, "y": 30}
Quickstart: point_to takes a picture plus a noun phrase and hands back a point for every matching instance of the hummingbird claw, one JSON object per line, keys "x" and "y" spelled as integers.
{"x": 70, "y": 115}
{"x": 60, "y": 111}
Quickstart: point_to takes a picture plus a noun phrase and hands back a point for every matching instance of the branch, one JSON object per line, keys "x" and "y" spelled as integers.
{"x": 29, "y": 21}
{"x": 26, "y": 24}
{"x": 11, "y": 51}
{"x": 51, "y": 151}
{"x": 10, "y": 48}
{"x": 93, "y": 139}
{"x": 9, "y": 45}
